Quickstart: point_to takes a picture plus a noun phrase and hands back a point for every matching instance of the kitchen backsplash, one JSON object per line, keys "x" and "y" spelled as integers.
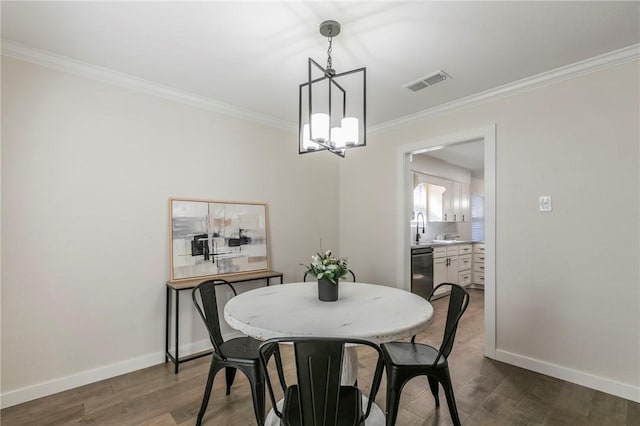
{"x": 435, "y": 228}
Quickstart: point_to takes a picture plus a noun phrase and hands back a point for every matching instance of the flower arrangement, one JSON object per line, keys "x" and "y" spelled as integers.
{"x": 327, "y": 266}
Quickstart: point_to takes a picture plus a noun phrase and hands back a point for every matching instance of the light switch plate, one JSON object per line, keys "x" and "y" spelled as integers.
{"x": 544, "y": 203}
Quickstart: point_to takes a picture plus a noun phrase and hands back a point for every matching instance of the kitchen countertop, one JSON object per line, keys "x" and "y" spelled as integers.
{"x": 441, "y": 243}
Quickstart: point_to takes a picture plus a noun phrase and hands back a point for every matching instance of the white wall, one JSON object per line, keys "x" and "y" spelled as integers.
{"x": 477, "y": 185}
{"x": 87, "y": 169}
{"x": 567, "y": 287}
{"x": 436, "y": 167}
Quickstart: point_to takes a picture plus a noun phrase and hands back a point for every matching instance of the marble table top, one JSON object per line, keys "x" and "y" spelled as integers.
{"x": 368, "y": 311}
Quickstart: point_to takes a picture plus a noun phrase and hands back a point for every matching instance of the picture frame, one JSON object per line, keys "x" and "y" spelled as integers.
{"x": 215, "y": 239}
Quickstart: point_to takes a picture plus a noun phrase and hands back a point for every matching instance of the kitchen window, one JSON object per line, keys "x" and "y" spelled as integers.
{"x": 419, "y": 201}
{"x": 477, "y": 217}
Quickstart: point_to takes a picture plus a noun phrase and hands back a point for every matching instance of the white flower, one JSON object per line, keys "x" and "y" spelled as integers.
{"x": 326, "y": 266}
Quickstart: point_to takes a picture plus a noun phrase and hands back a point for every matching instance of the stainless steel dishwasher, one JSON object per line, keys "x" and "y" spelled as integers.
{"x": 422, "y": 271}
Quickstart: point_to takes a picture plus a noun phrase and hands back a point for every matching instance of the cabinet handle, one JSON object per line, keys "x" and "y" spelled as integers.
{"x": 482, "y": 267}
{"x": 463, "y": 218}
{"x": 455, "y": 217}
{"x": 445, "y": 216}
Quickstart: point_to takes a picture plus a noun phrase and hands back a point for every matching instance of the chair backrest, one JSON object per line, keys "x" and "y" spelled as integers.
{"x": 458, "y": 302}
{"x": 353, "y": 276}
{"x": 207, "y": 306}
{"x": 319, "y": 368}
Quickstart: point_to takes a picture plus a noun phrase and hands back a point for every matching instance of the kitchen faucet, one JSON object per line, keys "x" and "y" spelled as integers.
{"x": 418, "y": 226}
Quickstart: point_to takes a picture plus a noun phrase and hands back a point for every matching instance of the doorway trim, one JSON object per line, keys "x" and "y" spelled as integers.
{"x": 404, "y": 185}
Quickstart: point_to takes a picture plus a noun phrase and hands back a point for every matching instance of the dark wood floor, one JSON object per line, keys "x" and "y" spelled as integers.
{"x": 488, "y": 393}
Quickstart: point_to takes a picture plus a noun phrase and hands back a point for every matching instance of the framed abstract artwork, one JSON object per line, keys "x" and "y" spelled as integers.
{"x": 209, "y": 239}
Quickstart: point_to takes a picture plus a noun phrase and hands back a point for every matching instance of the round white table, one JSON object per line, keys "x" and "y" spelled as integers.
{"x": 365, "y": 311}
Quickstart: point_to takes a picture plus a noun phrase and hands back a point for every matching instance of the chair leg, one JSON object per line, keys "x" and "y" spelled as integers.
{"x": 394, "y": 389}
{"x": 258, "y": 395}
{"x": 393, "y": 402}
{"x": 230, "y": 374}
{"x": 445, "y": 379}
{"x": 433, "y": 384}
{"x": 213, "y": 369}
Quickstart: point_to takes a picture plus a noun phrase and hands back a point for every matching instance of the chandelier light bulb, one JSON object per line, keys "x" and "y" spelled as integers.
{"x": 320, "y": 127}
{"x": 337, "y": 137}
{"x": 307, "y": 144}
{"x": 350, "y": 131}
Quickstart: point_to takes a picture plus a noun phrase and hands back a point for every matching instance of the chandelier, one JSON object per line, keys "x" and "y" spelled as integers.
{"x": 328, "y": 119}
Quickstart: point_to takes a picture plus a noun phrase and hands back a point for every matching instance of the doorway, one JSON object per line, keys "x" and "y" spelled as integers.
{"x": 405, "y": 204}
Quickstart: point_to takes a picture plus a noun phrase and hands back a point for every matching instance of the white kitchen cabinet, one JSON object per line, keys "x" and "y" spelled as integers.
{"x": 448, "y": 201}
{"x": 446, "y": 267}
{"x": 478, "y": 264}
{"x": 438, "y": 201}
{"x": 461, "y": 202}
{"x": 445, "y": 270}
{"x": 465, "y": 249}
{"x": 464, "y": 278}
{"x": 439, "y": 252}
{"x": 448, "y": 205}
{"x": 464, "y": 262}
{"x": 440, "y": 271}
{"x": 464, "y": 267}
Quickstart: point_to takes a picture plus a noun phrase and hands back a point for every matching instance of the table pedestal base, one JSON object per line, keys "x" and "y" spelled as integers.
{"x": 349, "y": 366}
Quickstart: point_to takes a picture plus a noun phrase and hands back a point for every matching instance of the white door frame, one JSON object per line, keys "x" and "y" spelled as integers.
{"x": 404, "y": 195}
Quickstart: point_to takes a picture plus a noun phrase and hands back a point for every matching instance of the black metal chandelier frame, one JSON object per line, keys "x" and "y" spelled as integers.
{"x": 331, "y": 75}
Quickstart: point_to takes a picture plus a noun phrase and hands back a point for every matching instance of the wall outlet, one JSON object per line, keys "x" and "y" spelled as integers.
{"x": 544, "y": 203}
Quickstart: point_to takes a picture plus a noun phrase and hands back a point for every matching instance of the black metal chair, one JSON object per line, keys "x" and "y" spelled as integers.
{"x": 353, "y": 276}
{"x": 404, "y": 360}
{"x": 239, "y": 353}
{"x": 318, "y": 398}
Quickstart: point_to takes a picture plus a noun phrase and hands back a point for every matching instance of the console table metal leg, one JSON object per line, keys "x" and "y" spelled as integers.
{"x": 177, "y": 323}
{"x": 166, "y": 326}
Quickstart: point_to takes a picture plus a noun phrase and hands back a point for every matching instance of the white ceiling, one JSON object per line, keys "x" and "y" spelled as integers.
{"x": 253, "y": 54}
{"x": 468, "y": 155}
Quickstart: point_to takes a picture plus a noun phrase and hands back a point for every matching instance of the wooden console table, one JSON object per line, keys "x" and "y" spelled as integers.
{"x": 178, "y": 287}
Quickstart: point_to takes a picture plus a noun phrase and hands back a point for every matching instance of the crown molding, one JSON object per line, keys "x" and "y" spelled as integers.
{"x": 83, "y": 69}
{"x": 63, "y": 63}
{"x": 606, "y": 60}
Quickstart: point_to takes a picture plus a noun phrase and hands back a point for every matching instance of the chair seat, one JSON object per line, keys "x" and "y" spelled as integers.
{"x": 349, "y": 407}
{"x": 241, "y": 348}
{"x": 412, "y": 354}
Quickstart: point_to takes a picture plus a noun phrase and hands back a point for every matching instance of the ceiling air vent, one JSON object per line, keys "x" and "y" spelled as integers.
{"x": 430, "y": 80}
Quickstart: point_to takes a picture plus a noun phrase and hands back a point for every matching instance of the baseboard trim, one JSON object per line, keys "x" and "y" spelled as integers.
{"x": 623, "y": 390}
{"x": 29, "y": 393}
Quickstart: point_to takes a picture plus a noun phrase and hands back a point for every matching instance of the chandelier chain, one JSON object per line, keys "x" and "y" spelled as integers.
{"x": 329, "y": 60}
